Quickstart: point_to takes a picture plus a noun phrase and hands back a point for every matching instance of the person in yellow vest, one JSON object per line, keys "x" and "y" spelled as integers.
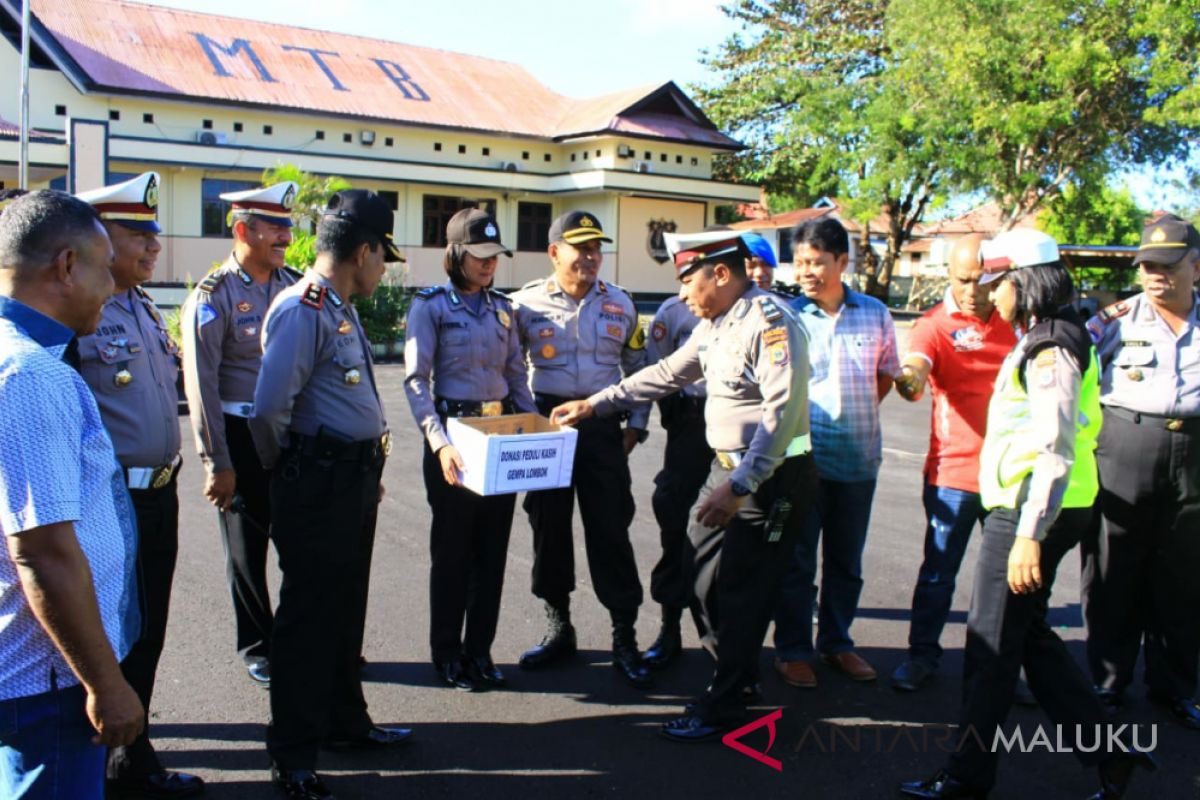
{"x": 1037, "y": 478}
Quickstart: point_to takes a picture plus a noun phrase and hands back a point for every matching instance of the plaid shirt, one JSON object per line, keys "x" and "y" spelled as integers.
{"x": 847, "y": 352}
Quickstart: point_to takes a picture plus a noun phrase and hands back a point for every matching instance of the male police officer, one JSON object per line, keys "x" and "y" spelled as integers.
{"x": 130, "y": 363}
{"x": 686, "y": 461}
{"x": 580, "y": 334}
{"x": 318, "y": 425}
{"x": 761, "y": 265}
{"x": 222, "y": 350}
{"x": 1142, "y": 573}
{"x": 754, "y": 357}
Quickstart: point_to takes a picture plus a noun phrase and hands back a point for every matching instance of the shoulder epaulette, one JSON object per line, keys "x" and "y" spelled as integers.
{"x": 785, "y": 289}
{"x": 622, "y": 290}
{"x": 498, "y": 293}
{"x": 1114, "y": 311}
{"x": 430, "y": 291}
{"x": 770, "y": 309}
{"x": 533, "y": 284}
{"x": 211, "y": 281}
{"x": 314, "y": 296}
{"x": 295, "y": 273}
{"x": 142, "y": 293}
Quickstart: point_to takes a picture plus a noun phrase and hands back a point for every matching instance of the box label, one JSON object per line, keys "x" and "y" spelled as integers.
{"x": 532, "y": 463}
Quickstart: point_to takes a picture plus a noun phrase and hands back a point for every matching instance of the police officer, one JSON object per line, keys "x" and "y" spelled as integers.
{"x": 753, "y": 355}
{"x": 580, "y": 334}
{"x": 761, "y": 265}
{"x": 1037, "y": 477}
{"x": 463, "y": 358}
{"x": 131, "y": 365}
{"x": 319, "y": 428}
{"x": 1142, "y": 568}
{"x": 686, "y": 461}
{"x": 222, "y": 349}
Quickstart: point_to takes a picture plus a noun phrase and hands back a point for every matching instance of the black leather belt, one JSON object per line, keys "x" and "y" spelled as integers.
{"x": 553, "y": 400}
{"x": 1173, "y": 424}
{"x": 475, "y": 408}
{"x": 325, "y": 448}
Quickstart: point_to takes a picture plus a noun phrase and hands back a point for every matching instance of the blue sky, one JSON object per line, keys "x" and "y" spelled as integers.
{"x": 577, "y": 49}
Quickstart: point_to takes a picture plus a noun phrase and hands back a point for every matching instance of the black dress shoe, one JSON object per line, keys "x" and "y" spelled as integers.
{"x": 1115, "y": 773}
{"x": 260, "y": 672}
{"x": 453, "y": 675}
{"x": 1185, "y": 710}
{"x": 666, "y": 647}
{"x": 484, "y": 673}
{"x": 691, "y": 729}
{"x": 377, "y": 737}
{"x": 627, "y": 662}
{"x": 300, "y": 784}
{"x": 161, "y": 784}
{"x": 555, "y": 646}
{"x": 751, "y": 693}
{"x": 941, "y": 787}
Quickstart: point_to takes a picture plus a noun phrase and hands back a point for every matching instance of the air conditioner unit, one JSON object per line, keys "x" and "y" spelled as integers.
{"x": 624, "y": 151}
{"x": 510, "y": 166}
{"x": 642, "y": 166}
{"x": 210, "y": 137}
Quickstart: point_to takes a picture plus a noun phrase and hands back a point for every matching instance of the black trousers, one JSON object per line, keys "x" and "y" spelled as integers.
{"x": 1007, "y": 631}
{"x": 157, "y": 512}
{"x": 1141, "y": 565}
{"x": 686, "y": 462}
{"x": 468, "y": 548}
{"x": 602, "y": 483}
{"x": 738, "y": 574}
{"x": 324, "y": 532}
{"x": 246, "y": 534}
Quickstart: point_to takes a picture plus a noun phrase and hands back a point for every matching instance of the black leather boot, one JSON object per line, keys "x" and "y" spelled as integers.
{"x": 1116, "y": 772}
{"x": 626, "y": 658}
{"x": 669, "y": 644}
{"x": 559, "y": 641}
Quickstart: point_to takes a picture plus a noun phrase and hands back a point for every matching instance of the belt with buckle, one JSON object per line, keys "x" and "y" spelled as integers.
{"x": 243, "y": 410}
{"x": 731, "y": 459}
{"x": 1172, "y": 424}
{"x": 152, "y": 477}
{"x": 325, "y": 447}
{"x": 474, "y": 408}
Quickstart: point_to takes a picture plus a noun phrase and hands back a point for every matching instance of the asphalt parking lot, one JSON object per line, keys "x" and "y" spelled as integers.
{"x": 577, "y": 731}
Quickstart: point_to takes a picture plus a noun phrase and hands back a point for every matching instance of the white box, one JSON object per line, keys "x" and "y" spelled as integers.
{"x": 513, "y": 453}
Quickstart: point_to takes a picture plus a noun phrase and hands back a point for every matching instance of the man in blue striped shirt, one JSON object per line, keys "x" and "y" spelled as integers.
{"x": 66, "y": 612}
{"x": 852, "y": 347}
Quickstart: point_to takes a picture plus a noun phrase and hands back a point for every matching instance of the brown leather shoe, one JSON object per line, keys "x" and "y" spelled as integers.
{"x": 796, "y": 673}
{"x": 851, "y": 664}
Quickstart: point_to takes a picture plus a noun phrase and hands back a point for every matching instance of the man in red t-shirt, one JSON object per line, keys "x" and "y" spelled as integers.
{"x": 956, "y": 348}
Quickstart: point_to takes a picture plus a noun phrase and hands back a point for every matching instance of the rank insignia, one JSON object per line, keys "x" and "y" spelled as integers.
{"x": 548, "y": 351}
{"x": 659, "y": 331}
{"x": 123, "y": 378}
{"x": 546, "y": 333}
{"x": 244, "y": 307}
{"x": 314, "y": 296}
{"x": 344, "y": 327}
{"x": 352, "y": 377}
{"x": 503, "y": 317}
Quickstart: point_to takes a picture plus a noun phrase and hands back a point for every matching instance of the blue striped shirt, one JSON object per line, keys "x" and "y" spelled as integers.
{"x": 848, "y": 352}
{"x": 56, "y": 465}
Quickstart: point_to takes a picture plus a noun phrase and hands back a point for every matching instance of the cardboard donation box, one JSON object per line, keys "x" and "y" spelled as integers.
{"x": 513, "y": 453}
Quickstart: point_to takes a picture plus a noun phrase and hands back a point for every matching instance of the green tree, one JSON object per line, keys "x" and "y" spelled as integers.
{"x": 1105, "y": 217}
{"x": 1053, "y": 93}
{"x": 312, "y": 194}
{"x": 811, "y": 88}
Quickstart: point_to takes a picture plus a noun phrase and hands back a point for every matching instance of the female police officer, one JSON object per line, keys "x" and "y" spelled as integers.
{"x": 463, "y": 358}
{"x": 1038, "y": 478}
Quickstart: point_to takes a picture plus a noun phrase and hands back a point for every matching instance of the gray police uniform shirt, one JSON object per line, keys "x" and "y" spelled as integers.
{"x": 454, "y": 352}
{"x": 131, "y": 364}
{"x": 672, "y": 325}
{"x": 577, "y": 348}
{"x": 317, "y": 375}
{"x": 755, "y": 359}
{"x": 222, "y": 350}
{"x": 1145, "y": 366}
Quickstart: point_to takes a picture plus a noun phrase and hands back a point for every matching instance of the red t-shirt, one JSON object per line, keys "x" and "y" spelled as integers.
{"x": 965, "y": 354}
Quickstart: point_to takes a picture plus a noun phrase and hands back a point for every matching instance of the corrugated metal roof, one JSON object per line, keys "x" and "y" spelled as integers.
{"x": 132, "y": 48}
{"x": 11, "y": 130}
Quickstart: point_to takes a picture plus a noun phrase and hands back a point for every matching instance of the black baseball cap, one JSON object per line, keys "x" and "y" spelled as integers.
{"x": 368, "y": 210}
{"x": 477, "y": 231}
{"x": 577, "y": 227}
{"x": 1166, "y": 240}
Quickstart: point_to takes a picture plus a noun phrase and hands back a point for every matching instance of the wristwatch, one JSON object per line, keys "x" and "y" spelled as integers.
{"x": 739, "y": 490}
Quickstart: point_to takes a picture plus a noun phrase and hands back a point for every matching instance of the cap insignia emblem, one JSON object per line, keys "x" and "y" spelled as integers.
{"x": 490, "y": 231}
{"x": 289, "y": 197}
{"x": 587, "y": 222}
{"x": 152, "y": 193}
{"x": 1159, "y": 235}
